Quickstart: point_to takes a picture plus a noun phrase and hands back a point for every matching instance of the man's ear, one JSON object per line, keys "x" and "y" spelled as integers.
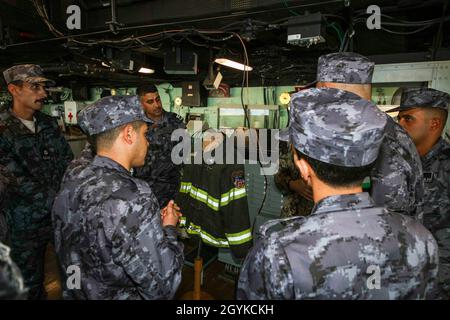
{"x": 13, "y": 89}
{"x": 129, "y": 134}
{"x": 435, "y": 124}
{"x": 303, "y": 167}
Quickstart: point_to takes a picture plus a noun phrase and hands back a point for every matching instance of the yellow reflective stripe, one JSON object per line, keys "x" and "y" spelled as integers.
{"x": 239, "y": 238}
{"x": 206, "y": 237}
{"x": 204, "y": 197}
{"x": 210, "y": 201}
{"x": 199, "y": 194}
{"x": 233, "y": 194}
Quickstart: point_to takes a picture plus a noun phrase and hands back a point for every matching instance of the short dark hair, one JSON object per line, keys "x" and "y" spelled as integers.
{"x": 18, "y": 83}
{"x": 438, "y": 113}
{"x": 338, "y": 176}
{"x": 107, "y": 138}
{"x": 146, "y": 88}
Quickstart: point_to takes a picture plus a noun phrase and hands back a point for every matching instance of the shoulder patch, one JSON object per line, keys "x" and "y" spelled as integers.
{"x": 238, "y": 178}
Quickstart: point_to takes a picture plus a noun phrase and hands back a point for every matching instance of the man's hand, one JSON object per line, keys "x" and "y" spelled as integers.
{"x": 300, "y": 187}
{"x": 170, "y": 215}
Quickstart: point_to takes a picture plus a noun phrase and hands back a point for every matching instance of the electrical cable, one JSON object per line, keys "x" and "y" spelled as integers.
{"x": 337, "y": 31}
{"x": 165, "y": 24}
{"x": 407, "y": 32}
{"x": 438, "y": 39}
{"x": 289, "y": 9}
{"x": 245, "y": 82}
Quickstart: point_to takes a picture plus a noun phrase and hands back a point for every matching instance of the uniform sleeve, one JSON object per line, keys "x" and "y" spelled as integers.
{"x": 7, "y": 182}
{"x": 24, "y": 186}
{"x": 76, "y": 165}
{"x": 11, "y": 281}
{"x": 66, "y": 153}
{"x": 150, "y": 255}
{"x": 432, "y": 290}
{"x": 265, "y": 274}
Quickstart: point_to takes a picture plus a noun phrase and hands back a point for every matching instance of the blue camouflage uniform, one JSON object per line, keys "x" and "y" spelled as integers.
{"x": 108, "y": 223}
{"x": 348, "y": 248}
{"x": 396, "y": 179}
{"x": 436, "y": 171}
{"x": 11, "y": 281}
{"x": 7, "y": 184}
{"x": 37, "y": 160}
{"x": 159, "y": 171}
{"x": 76, "y": 165}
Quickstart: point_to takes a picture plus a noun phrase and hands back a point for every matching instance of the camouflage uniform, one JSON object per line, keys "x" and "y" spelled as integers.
{"x": 159, "y": 171}
{"x": 396, "y": 179}
{"x": 11, "y": 281}
{"x": 37, "y": 161}
{"x": 108, "y": 223}
{"x": 7, "y": 183}
{"x": 347, "y": 248}
{"x": 436, "y": 171}
{"x": 436, "y": 168}
{"x": 76, "y": 165}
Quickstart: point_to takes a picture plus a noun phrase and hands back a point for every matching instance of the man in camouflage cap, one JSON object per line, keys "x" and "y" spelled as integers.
{"x": 159, "y": 171}
{"x": 34, "y": 152}
{"x": 423, "y": 113}
{"x": 347, "y": 248}
{"x": 30, "y": 73}
{"x": 396, "y": 179}
{"x": 108, "y": 223}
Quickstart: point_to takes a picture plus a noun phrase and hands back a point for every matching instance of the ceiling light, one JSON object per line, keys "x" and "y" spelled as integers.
{"x": 233, "y": 64}
{"x": 146, "y": 70}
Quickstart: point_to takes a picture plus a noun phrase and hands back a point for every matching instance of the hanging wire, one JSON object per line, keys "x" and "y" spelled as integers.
{"x": 406, "y": 32}
{"x": 289, "y": 9}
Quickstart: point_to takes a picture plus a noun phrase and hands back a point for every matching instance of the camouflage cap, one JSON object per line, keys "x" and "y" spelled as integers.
{"x": 335, "y": 126}
{"x": 111, "y": 112}
{"x": 345, "y": 67}
{"x": 26, "y": 72}
{"x": 423, "y": 98}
